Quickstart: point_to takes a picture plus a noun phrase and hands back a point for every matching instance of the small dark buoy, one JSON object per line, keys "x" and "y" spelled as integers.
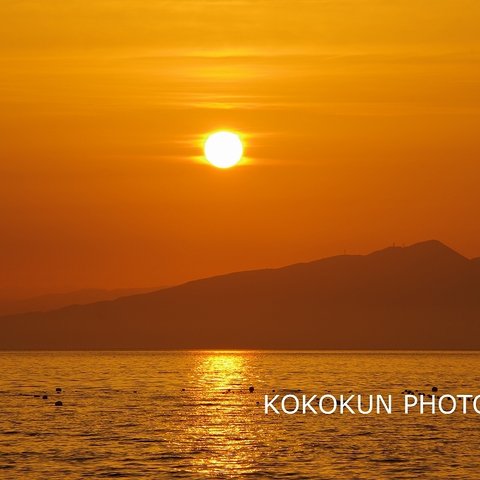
{"x": 58, "y": 390}
{"x": 58, "y": 403}
{"x": 45, "y": 397}
{"x": 258, "y": 403}
{"x": 251, "y": 389}
{"x": 183, "y": 389}
{"x": 273, "y": 390}
{"x": 434, "y": 389}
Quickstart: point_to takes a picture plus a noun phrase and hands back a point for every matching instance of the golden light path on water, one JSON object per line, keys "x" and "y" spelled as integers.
{"x": 222, "y": 378}
{"x": 163, "y": 415}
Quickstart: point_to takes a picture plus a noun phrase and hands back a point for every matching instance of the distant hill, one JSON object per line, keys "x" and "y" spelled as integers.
{"x": 425, "y": 296}
{"x": 53, "y": 301}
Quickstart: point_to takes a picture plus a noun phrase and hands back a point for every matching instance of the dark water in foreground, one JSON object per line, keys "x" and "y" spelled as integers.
{"x": 105, "y": 429}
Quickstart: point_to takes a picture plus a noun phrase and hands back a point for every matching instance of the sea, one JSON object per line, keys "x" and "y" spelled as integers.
{"x": 191, "y": 414}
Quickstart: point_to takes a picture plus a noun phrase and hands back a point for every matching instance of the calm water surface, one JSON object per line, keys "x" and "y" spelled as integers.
{"x": 127, "y": 415}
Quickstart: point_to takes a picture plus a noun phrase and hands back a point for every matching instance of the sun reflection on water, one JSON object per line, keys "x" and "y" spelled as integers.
{"x": 223, "y": 426}
{"x": 221, "y": 371}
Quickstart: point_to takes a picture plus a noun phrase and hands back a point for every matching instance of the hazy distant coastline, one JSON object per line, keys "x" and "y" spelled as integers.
{"x": 54, "y": 301}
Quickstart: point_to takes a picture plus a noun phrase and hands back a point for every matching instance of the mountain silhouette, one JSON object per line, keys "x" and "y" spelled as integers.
{"x": 425, "y": 296}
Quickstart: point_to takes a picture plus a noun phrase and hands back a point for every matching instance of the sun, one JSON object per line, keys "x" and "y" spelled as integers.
{"x": 223, "y": 149}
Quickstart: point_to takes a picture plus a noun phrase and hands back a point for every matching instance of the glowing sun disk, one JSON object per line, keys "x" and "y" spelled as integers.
{"x": 223, "y": 149}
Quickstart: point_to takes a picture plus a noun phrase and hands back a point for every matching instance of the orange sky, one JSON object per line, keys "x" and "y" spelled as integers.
{"x": 361, "y": 120}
